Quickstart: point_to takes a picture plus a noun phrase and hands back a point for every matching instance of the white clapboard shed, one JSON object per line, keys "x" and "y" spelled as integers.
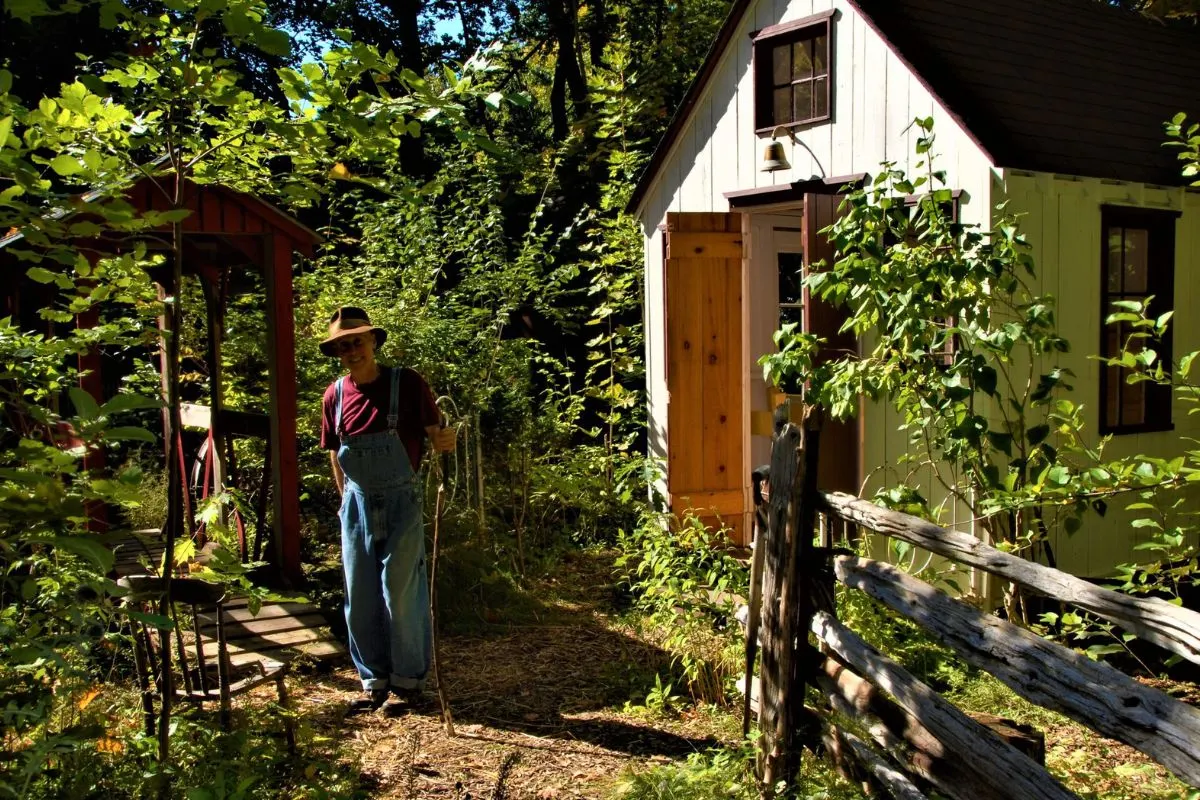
{"x": 1055, "y": 106}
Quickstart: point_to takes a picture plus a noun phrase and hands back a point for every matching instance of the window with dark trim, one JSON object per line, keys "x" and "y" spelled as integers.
{"x": 1137, "y": 261}
{"x": 793, "y": 73}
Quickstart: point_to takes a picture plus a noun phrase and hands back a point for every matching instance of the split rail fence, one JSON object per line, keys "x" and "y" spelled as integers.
{"x": 917, "y": 740}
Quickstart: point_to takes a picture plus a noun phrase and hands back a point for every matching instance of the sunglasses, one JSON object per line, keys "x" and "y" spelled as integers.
{"x": 350, "y": 345}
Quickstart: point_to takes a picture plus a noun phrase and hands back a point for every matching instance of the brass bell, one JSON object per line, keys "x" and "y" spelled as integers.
{"x": 773, "y": 158}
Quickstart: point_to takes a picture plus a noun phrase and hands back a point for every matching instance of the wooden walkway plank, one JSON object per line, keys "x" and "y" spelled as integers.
{"x": 265, "y": 627}
{"x": 278, "y": 632}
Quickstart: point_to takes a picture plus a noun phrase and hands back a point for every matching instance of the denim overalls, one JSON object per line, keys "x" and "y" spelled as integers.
{"x": 383, "y": 555}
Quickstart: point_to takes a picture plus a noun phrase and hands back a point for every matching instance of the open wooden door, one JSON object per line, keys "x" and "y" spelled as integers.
{"x": 838, "y": 468}
{"x": 706, "y": 416}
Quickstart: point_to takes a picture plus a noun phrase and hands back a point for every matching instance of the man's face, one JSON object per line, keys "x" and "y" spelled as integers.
{"x": 356, "y": 351}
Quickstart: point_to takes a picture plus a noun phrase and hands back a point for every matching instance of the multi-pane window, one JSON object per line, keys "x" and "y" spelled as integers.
{"x": 793, "y": 80}
{"x": 1138, "y": 262}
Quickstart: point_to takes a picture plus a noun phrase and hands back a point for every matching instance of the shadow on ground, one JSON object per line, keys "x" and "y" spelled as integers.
{"x": 551, "y": 663}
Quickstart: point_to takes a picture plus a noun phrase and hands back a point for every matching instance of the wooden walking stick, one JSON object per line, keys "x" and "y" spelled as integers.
{"x": 439, "y": 508}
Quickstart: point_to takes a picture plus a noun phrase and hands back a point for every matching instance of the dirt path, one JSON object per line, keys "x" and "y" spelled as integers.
{"x": 539, "y": 708}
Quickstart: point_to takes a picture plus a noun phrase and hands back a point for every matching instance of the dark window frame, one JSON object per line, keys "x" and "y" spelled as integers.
{"x": 788, "y": 33}
{"x": 1160, "y": 282}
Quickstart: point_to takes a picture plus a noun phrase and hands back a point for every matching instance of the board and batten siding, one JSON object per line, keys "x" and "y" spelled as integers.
{"x": 1060, "y": 216}
{"x": 876, "y": 96}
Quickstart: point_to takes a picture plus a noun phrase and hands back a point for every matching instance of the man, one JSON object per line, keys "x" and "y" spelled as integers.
{"x": 374, "y": 422}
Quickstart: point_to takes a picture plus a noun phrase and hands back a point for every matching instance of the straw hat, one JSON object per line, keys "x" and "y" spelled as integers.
{"x": 350, "y": 321}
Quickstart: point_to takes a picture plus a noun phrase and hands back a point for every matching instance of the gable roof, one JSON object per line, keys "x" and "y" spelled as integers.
{"x": 1067, "y": 86}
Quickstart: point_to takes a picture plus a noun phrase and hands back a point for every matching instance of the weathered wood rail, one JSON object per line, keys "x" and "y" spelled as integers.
{"x": 917, "y": 741}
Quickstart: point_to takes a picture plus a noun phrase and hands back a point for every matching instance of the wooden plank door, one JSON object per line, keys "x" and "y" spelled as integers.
{"x": 838, "y": 468}
{"x": 706, "y": 417}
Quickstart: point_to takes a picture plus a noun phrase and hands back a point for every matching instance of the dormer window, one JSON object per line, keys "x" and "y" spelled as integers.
{"x": 793, "y": 73}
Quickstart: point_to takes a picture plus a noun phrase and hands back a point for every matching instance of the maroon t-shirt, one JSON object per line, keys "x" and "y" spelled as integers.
{"x": 365, "y": 410}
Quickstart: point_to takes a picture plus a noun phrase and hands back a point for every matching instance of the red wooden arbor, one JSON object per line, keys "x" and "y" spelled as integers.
{"x": 227, "y": 235}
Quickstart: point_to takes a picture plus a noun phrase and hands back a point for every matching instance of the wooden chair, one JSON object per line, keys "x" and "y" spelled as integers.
{"x": 193, "y": 680}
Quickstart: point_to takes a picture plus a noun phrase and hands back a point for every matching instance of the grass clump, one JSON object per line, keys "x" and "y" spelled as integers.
{"x": 1087, "y": 763}
{"x": 716, "y": 773}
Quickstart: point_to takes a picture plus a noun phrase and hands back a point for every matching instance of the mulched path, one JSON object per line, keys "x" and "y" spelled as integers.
{"x": 538, "y": 709}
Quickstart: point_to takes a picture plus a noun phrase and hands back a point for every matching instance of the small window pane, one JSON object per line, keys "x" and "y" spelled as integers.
{"x": 1113, "y": 396}
{"x": 1112, "y": 340}
{"x": 820, "y": 47}
{"x": 821, "y": 97}
{"x": 803, "y": 93}
{"x": 783, "y": 105}
{"x": 790, "y": 277}
{"x": 802, "y": 65}
{"x": 1113, "y": 267}
{"x": 1137, "y": 241}
{"x": 1133, "y": 402}
{"x": 781, "y": 63}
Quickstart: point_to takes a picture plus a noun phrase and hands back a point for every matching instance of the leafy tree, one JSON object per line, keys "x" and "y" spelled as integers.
{"x": 171, "y": 111}
{"x": 963, "y": 349}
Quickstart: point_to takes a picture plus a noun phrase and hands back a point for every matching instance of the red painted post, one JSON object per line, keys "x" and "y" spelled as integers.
{"x": 282, "y": 351}
{"x": 92, "y": 381}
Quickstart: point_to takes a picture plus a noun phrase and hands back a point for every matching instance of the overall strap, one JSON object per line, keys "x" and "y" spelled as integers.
{"x": 394, "y": 401}
{"x": 337, "y": 413}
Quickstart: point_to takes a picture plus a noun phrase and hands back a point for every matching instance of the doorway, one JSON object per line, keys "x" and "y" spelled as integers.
{"x": 783, "y": 245}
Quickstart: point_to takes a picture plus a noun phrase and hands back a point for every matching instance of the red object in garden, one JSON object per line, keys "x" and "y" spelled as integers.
{"x": 227, "y": 234}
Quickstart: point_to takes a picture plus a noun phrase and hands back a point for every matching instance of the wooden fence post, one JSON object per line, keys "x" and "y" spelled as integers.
{"x": 787, "y": 607}
{"x": 774, "y": 741}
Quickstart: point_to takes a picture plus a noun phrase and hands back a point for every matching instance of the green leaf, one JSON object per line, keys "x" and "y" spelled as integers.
{"x": 274, "y": 42}
{"x": 1037, "y": 434}
{"x": 128, "y": 401}
{"x": 1059, "y": 475}
{"x": 65, "y": 165}
{"x": 85, "y": 405}
{"x": 1000, "y": 441}
{"x": 5, "y": 129}
{"x": 130, "y": 433}
{"x": 26, "y": 10}
{"x": 985, "y": 379}
{"x": 85, "y": 547}
{"x": 41, "y": 275}
{"x": 493, "y": 100}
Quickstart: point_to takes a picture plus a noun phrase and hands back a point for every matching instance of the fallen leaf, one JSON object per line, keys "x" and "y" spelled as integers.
{"x": 107, "y": 744}
{"x": 548, "y": 793}
{"x": 88, "y": 697}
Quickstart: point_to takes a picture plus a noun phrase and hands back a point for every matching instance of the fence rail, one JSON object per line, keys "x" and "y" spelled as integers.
{"x": 918, "y": 739}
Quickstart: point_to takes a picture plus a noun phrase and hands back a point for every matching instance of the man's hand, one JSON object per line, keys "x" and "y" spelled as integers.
{"x": 442, "y": 440}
